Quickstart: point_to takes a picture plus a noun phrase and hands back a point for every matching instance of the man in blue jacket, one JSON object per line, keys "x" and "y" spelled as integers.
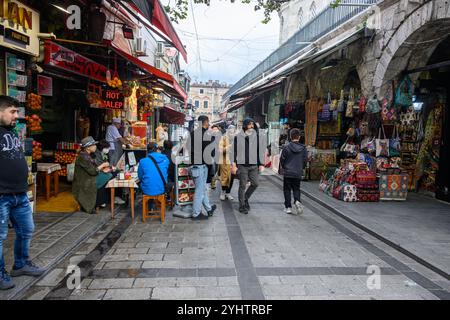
{"x": 151, "y": 182}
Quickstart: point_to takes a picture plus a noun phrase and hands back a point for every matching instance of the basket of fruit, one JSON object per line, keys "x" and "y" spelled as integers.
{"x": 37, "y": 150}
{"x": 34, "y": 124}
{"x": 34, "y": 101}
{"x": 115, "y": 83}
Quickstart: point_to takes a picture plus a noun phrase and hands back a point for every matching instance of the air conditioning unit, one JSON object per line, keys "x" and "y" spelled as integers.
{"x": 141, "y": 47}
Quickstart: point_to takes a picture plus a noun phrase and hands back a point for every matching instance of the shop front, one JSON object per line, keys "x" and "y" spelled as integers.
{"x": 19, "y": 46}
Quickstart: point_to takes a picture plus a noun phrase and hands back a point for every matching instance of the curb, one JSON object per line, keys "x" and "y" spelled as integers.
{"x": 373, "y": 233}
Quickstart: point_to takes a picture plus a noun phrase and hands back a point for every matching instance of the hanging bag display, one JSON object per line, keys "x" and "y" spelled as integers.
{"x": 325, "y": 114}
{"x": 388, "y": 113}
{"x": 362, "y": 104}
{"x": 404, "y": 92}
{"x": 350, "y": 104}
{"x": 382, "y": 145}
{"x": 394, "y": 144}
{"x": 341, "y": 103}
{"x": 409, "y": 118}
{"x": 373, "y": 106}
{"x": 349, "y": 149}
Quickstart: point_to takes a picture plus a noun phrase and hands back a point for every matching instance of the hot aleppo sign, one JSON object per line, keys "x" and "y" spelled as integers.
{"x": 66, "y": 59}
{"x": 105, "y": 99}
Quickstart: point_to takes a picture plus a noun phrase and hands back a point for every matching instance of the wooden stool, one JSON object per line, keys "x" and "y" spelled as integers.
{"x": 160, "y": 206}
{"x": 171, "y": 202}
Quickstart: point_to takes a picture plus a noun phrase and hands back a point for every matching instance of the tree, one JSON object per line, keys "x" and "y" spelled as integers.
{"x": 179, "y": 10}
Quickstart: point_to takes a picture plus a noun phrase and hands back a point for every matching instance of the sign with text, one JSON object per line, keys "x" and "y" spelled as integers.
{"x": 66, "y": 59}
{"x": 113, "y": 99}
{"x": 19, "y": 27}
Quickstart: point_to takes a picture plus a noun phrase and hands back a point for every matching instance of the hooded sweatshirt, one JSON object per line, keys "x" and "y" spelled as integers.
{"x": 151, "y": 182}
{"x": 293, "y": 159}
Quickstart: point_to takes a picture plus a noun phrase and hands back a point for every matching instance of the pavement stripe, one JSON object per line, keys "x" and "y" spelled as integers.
{"x": 421, "y": 280}
{"x": 246, "y": 273}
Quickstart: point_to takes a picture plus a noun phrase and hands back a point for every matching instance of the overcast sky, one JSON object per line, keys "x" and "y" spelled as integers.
{"x": 232, "y": 40}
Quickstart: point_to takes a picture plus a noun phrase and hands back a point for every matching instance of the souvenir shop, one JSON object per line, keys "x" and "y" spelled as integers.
{"x": 397, "y": 144}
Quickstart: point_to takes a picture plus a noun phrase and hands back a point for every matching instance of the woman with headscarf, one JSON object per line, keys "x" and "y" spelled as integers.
{"x": 89, "y": 179}
{"x": 226, "y": 178}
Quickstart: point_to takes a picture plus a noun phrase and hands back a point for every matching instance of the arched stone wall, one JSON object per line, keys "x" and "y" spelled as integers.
{"x": 412, "y": 43}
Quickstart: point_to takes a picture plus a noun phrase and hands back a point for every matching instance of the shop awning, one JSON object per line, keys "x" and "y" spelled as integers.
{"x": 171, "y": 116}
{"x": 165, "y": 79}
{"x": 153, "y": 11}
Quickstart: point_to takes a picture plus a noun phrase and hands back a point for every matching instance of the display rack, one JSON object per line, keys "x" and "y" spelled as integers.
{"x": 16, "y": 78}
{"x": 184, "y": 184}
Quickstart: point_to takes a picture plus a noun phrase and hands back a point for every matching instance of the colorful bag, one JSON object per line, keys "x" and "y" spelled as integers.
{"x": 408, "y": 118}
{"x": 366, "y": 178}
{"x": 325, "y": 114}
{"x": 365, "y": 195}
{"x": 363, "y": 128}
{"x": 393, "y": 187}
{"x": 382, "y": 145}
{"x": 394, "y": 144}
{"x": 373, "y": 106}
{"x": 382, "y": 163}
{"x": 367, "y": 186}
{"x": 362, "y": 104}
{"x": 349, "y": 193}
{"x": 337, "y": 192}
{"x": 388, "y": 113}
{"x": 350, "y": 105}
{"x": 350, "y": 149}
{"x": 404, "y": 93}
{"x": 341, "y": 103}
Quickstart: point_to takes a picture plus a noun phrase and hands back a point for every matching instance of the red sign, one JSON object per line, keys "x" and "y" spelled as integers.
{"x": 45, "y": 86}
{"x": 66, "y": 59}
{"x": 113, "y": 99}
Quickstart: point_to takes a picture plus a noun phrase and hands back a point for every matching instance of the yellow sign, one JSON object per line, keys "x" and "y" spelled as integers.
{"x": 15, "y": 13}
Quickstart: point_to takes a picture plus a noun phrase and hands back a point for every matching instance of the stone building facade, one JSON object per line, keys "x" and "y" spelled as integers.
{"x": 206, "y": 98}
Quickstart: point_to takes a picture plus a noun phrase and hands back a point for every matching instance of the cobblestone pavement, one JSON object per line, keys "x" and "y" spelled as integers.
{"x": 264, "y": 255}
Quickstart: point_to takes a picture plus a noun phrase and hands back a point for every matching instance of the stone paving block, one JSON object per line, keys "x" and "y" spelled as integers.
{"x": 37, "y": 293}
{"x": 150, "y": 245}
{"x": 160, "y": 264}
{"x": 130, "y": 251}
{"x": 111, "y": 284}
{"x": 86, "y": 294}
{"x": 52, "y": 278}
{"x": 229, "y": 291}
{"x": 128, "y": 294}
{"x": 171, "y": 293}
{"x": 227, "y": 281}
{"x": 123, "y": 265}
{"x": 115, "y": 257}
{"x": 267, "y": 280}
{"x": 154, "y": 282}
{"x": 145, "y": 257}
{"x": 197, "y": 282}
{"x": 208, "y": 292}
{"x": 284, "y": 290}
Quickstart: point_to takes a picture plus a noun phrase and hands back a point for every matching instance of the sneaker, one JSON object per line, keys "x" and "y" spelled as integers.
{"x": 222, "y": 196}
{"x": 288, "y": 210}
{"x": 103, "y": 206}
{"x": 298, "y": 207}
{"x": 5, "y": 281}
{"x": 211, "y": 212}
{"x": 243, "y": 210}
{"x": 199, "y": 217}
{"x": 29, "y": 269}
{"x": 118, "y": 200}
{"x": 229, "y": 197}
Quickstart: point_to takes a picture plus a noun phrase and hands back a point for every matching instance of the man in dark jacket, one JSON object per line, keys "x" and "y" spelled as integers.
{"x": 248, "y": 161}
{"x": 201, "y": 155}
{"x": 14, "y": 203}
{"x": 292, "y": 161}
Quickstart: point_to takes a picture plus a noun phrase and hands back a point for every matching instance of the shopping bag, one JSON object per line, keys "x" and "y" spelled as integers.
{"x": 382, "y": 145}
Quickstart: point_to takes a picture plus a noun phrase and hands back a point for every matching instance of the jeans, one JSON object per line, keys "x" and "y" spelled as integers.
{"x": 200, "y": 175}
{"x": 246, "y": 174}
{"x": 291, "y": 184}
{"x": 16, "y": 207}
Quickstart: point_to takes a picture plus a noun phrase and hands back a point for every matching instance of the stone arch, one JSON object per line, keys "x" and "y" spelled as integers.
{"x": 413, "y": 43}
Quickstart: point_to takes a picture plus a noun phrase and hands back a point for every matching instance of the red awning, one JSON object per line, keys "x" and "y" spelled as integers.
{"x": 169, "y": 115}
{"x": 159, "y": 19}
{"x": 160, "y": 75}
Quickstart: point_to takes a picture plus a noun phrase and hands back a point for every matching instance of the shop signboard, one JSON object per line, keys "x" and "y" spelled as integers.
{"x": 66, "y": 59}
{"x": 19, "y": 27}
{"x": 45, "y": 86}
{"x": 113, "y": 99}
